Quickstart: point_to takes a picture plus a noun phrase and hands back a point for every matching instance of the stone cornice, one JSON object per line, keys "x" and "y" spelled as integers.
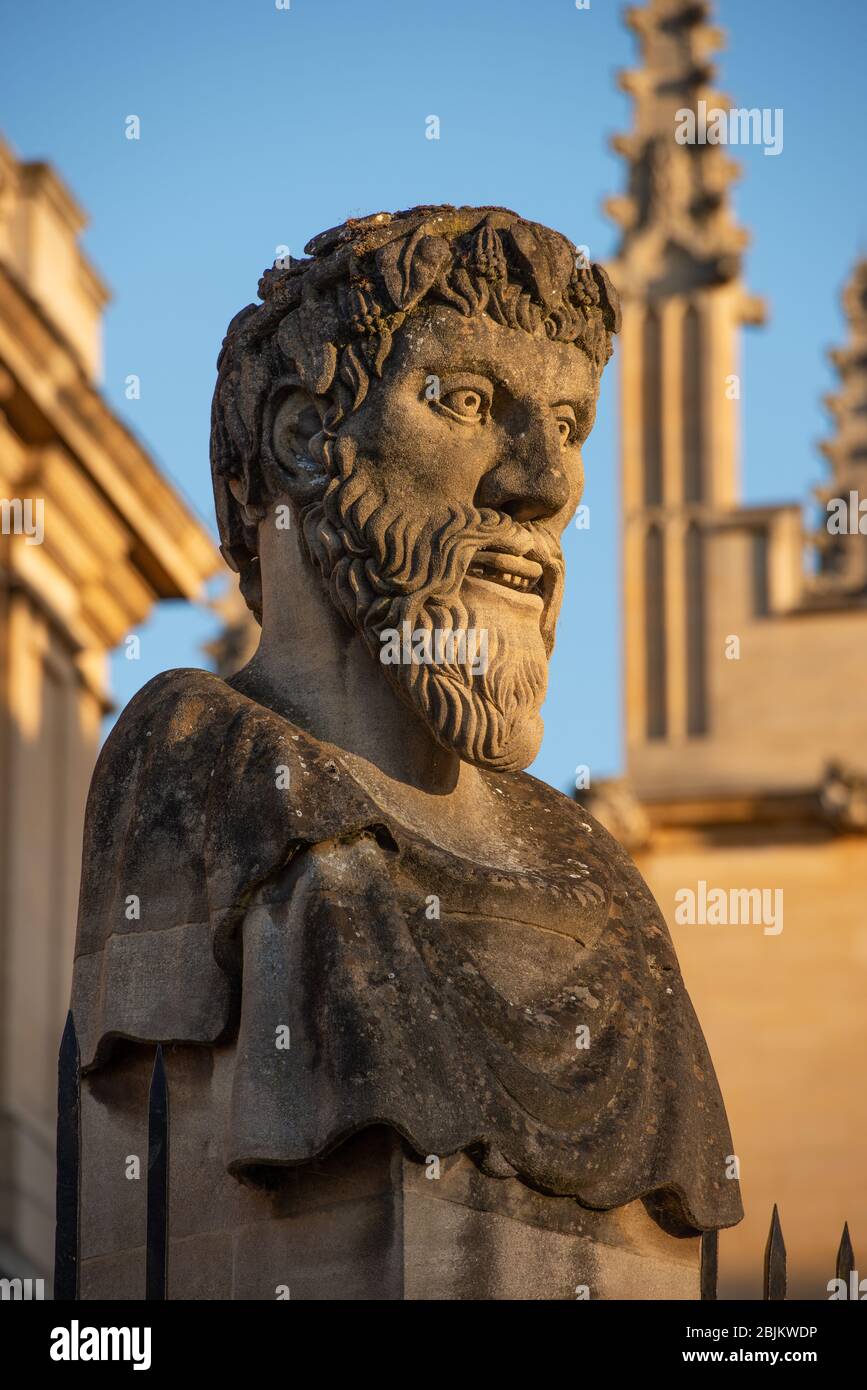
{"x": 168, "y": 549}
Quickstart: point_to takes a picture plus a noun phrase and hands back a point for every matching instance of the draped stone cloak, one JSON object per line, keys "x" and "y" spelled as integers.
{"x": 239, "y": 886}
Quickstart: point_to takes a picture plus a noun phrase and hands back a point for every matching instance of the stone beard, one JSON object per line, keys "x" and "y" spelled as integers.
{"x": 385, "y": 568}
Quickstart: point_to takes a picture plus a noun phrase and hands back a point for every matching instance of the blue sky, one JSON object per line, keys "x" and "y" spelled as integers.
{"x": 260, "y": 127}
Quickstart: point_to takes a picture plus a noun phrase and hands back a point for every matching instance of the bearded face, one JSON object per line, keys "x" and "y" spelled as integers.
{"x": 437, "y": 532}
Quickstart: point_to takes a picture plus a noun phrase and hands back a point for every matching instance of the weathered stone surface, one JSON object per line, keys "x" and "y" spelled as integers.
{"x": 114, "y": 1277}
{"x": 201, "y": 1267}
{"x": 114, "y": 1137}
{"x": 330, "y": 873}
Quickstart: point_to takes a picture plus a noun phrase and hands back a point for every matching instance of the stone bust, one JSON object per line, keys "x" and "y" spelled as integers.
{"x": 340, "y": 840}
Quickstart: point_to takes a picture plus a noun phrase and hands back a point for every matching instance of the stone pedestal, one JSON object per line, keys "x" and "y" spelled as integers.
{"x": 366, "y": 1222}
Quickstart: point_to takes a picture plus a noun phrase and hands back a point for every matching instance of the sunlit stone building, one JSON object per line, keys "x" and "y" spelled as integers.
{"x": 116, "y": 538}
{"x": 745, "y": 636}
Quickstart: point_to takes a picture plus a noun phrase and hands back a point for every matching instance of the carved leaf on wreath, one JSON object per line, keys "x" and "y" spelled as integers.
{"x": 547, "y": 264}
{"x": 307, "y": 336}
{"x": 409, "y": 266}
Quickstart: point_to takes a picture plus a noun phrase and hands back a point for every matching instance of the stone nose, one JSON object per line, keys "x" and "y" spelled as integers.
{"x": 528, "y": 482}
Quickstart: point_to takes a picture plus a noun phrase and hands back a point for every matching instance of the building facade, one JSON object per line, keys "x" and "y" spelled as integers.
{"x": 92, "y": 537}
{"x": 745, "y": 655}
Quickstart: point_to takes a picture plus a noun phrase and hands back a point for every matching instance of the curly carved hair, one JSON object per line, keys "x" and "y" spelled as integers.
{"x": 326, "y": 324}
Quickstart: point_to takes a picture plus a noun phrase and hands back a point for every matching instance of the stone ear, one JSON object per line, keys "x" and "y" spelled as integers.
{"x": 294, "y": 422}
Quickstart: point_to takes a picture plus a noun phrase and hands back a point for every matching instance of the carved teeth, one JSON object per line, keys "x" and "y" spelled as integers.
{"x": 504, "y": 577}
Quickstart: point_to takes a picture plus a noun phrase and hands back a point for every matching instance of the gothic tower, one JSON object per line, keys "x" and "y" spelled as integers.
{"x": 842, "y": 561}
{"x": 679, "y": 271}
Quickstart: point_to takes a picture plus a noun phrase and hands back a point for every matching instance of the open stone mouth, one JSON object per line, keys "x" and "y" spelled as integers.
{"x": 510, "y": 571}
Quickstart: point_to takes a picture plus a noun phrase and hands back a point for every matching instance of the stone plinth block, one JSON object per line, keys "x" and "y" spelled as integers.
{"x": 371, "y": 1220}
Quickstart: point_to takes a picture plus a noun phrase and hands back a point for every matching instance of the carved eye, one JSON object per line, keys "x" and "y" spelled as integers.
{"x": 465, "y": 402}
{"x": 567, "y": 427}
{"x": 468, "y": 403}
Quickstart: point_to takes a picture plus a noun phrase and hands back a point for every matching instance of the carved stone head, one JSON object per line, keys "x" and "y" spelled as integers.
{"x": 419, "y": 391}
